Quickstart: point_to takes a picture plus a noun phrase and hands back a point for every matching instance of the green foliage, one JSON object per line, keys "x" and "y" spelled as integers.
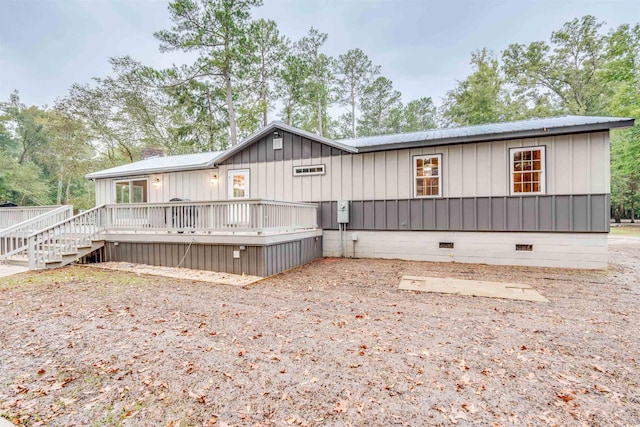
{"x": 217, "y": 30}
{"x": 380, "y": 104}
{"x": 243, "y": 68}
{"x": 354, "y": 73}
{"x": 43, "y": 156}
{"x": 318, "y": 94}
{"x": 419, "y": 114}
{"x": 622, "y": 73}
{"x": 481, "y": 97}
{"x": 291, "y": 84}
{"x": 568, "y": 68}
{"x": 268, "y": 47}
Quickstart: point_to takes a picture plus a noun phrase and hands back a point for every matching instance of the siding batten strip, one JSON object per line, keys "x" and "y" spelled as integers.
{"x": 520, "y": 214}
{"x": 504, "y": 213}
{"x": 537, "y": 213}
{"x": 589, "y": 207}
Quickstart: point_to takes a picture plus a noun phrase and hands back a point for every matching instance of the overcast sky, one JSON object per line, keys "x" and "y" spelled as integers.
{"x": 423, "y": 46}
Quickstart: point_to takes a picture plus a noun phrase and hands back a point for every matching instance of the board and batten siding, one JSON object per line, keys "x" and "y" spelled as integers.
{"x": 193, "y": 185}
{"x": 575, "y": 164}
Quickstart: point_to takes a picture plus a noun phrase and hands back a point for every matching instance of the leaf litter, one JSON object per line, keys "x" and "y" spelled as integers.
{"x": 330, "y": 343}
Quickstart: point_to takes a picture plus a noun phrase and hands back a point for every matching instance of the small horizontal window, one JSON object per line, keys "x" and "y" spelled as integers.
{"x": 446, "y": 245}
{"x": 308, "y": 170}
{"x": 527, "y": 248}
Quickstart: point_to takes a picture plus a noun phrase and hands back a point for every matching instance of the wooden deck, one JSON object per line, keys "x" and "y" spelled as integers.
{"x": 259, "y": 237}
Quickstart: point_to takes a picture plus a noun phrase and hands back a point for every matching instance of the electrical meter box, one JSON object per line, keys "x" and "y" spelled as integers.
{"x": 343, "y": 211}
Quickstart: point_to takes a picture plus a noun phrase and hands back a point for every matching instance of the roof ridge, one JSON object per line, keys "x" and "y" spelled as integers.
{"x": 464, "y": 127}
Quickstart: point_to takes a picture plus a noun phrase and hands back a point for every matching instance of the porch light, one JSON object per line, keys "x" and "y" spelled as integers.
{"x": 157, "y": 181}
{"x": 214, "y": 179}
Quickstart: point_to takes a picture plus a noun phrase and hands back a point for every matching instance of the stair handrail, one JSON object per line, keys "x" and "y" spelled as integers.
{"x": 51, "y": 243}
{"x": 13, "y": 239}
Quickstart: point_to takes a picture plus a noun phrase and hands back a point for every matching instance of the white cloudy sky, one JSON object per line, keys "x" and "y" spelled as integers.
{"x": 423, "y": 46}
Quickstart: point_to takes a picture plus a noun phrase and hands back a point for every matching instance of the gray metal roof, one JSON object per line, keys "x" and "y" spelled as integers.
{"x": 507, "y": 130}
{"x": 161, "y": 164}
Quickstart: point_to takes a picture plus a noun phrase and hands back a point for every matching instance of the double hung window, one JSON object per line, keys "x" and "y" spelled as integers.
{"x": 427, "y": 176}
{"x": 527, "y": 170}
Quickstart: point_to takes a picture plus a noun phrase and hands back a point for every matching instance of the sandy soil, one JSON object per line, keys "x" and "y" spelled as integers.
{"x": 331, "y": 343}
{"x": 180, "y": 273}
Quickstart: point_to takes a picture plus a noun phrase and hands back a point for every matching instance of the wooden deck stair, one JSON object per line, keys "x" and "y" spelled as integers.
{"x": 55, "y": 245}
{"x": 66, "y": 257}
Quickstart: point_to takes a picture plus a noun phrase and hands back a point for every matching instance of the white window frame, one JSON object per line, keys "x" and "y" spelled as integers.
{"x": 543, "y": 170}
{"x": 130, "y": 181}
{"x": 415, "y": 175}
{"x": 297, "y": 170}
{"x": 247, "y": 191}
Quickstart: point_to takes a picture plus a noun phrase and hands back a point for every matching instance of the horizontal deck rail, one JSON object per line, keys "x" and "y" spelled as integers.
{"x": 12, "y": 216}
{"x": 14, "y": 239}
{"x": 247, "y": 216}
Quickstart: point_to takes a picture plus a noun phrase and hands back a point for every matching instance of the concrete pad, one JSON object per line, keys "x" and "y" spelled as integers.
{"x": 8, "y": 270}
{"x": 180, "y": 273}
{"x": 478, "y": 288}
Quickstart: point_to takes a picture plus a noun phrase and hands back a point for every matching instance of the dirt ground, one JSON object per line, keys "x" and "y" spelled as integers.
{"x": 331, "y": 343}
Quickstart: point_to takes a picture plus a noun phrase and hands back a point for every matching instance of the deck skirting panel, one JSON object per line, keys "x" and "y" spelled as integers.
{"x": 256, "y": 260}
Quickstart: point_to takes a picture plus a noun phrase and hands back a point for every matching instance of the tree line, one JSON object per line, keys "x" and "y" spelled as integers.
{"x": 245, "y": 69}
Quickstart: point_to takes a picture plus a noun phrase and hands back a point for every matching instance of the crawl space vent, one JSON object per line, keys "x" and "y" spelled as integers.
{"x": 445, "y": 245}
{"x": 527, "y": 248}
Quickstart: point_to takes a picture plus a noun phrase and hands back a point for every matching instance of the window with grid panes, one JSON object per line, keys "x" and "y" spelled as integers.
{"x": 527, "y": 170}
{"x": 427, "y": 175}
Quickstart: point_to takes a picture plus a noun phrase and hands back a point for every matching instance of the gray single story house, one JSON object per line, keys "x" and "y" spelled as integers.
{"x": 533, "y": 192}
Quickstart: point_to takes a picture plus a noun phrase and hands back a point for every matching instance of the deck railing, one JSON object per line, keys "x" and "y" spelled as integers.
{"x": 52, "y": 242}
{"x": 65, "y": 237}
{"x": 14, "y": 239}
{"x": 228, "y": 216}
{"x": 12, "y": 216}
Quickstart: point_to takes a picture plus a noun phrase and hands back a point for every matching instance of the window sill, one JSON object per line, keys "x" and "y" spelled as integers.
{"x": 539, "y": 193}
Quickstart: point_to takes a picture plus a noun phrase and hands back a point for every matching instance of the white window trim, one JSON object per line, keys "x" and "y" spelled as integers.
{"x": 543, "y": 177}
{"x": 322, "y": 172}
{"x": 230, "y": 174}
{"x": 129, "y": 180}
{"x": 415, "y": 175}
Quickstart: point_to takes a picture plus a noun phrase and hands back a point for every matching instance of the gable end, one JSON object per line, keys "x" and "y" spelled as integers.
{"x": 294, "y": 147}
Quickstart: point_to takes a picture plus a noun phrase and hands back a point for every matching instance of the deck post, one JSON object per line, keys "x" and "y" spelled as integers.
{"x": 32, "y": 253}
{"x": 260, "y": 218}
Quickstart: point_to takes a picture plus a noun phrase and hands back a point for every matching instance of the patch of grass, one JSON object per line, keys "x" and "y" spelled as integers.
{"x": 628, "y": 230}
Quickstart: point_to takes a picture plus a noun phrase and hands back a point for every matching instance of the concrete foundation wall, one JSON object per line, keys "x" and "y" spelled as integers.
{"x": 568, "y": 250}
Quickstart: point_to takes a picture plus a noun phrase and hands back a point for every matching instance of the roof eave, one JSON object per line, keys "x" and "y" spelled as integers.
{"x": 592, "y": 127}
{"x": 98, "y": 175}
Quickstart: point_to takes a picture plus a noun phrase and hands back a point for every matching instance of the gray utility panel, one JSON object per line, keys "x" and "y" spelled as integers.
{"x": 343, "y": 211}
